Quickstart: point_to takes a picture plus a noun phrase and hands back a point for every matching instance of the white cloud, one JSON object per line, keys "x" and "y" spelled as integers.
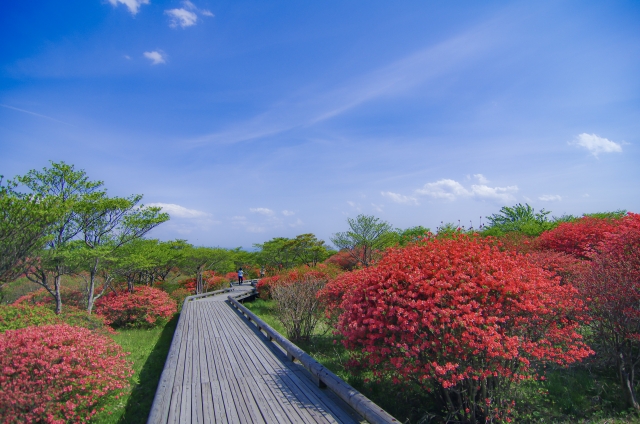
{"x": 262, "y": 211}
{"x": 178, "y": 211}
{"x": 288, "y": 213}
{"x": 126, "y": 56}
{"x": 451, "y": 190}
{"x": 597, "y": 145}
{"x": 378, "y": 208}
{"x": 400, "y": 198}
{"x": 481, "y": 179}
{"x": 133, "y": 5}
{"x": 297, "y": 223}
{"x": 504, "y": 194}
{"x": 181, "y": 17}
{"x": 550, "y": 198}
{"x": 155, "y": 56}
{"x": 207, "y": 13}
{"x": 443, "y": 189}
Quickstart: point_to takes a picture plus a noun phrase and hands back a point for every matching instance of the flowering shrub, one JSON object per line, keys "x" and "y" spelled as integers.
{"x": 343, "y": 260}
{"x": 20, "y": 316}
{"x": 70, "y": 297}
{"x": 321, "y": 271}
{"x": 579, "y": 237}
{"x": 210, "y": 282}
{"x": 179, "y": 295}
{"x": 462, "y": 315}
{"x": 560, "y": 264}
{"x": 23, "y": 315}
{"x": 612, "y": 285}
{"x": 57, "y": 373}
{"x": 145, "y": 307}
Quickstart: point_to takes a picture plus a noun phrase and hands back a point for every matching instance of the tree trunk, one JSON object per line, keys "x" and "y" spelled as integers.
{"x": 58, "y": 295}
{"x": 627, "y": 383}
{"x": 92, "y": 286}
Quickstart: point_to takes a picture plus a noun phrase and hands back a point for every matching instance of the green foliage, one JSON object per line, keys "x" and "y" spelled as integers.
{"x": 519, "y": 218}
{"x": 367, "y": 236}
{"x": 25, "y": 224}
{"x": 608, "y": 215}
{"x": 411, "y": 235}
{"x": 284, "y": 253}
{"x": 21, "y": 316}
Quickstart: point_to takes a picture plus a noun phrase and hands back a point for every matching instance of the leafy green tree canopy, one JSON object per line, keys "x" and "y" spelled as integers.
{"x": 367, "y": 235}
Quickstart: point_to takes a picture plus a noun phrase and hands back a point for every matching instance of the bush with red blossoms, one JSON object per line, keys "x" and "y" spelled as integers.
{"x": 301, "y": 273}
{"x": 57, "y": 373}
{"x": 579, "y": 237}
{"x": 461, "y": 316}
{"x": 70, "y": 297}
{"x": 210, "y": 282}
{"x": 611, "y": 283}
{"x": 145, "y": 307}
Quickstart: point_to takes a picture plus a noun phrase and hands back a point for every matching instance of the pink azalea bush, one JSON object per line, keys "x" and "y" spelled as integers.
{"x": 145, "y": 307}
{"x": 57, "y": 373}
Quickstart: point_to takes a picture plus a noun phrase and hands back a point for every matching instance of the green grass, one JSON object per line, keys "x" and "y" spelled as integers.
{"x": 149, "y": 349}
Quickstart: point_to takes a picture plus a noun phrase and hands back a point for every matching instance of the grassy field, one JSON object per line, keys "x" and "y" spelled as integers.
{"x": 149, "y": 349}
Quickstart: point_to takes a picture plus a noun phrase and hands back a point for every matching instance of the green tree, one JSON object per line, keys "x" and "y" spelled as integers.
{"x": 68, "y": 187}
{"x": 411, "y": 234}
{"x": 366, "y": 237}
{"x": 108, "y": 223}
{"x": 25, "y": 224}
{"x": 519, "y": 218}
{"x": 197, "y": 260}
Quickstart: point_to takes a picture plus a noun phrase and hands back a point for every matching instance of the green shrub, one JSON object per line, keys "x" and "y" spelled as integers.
{"x": 21, "y": 316}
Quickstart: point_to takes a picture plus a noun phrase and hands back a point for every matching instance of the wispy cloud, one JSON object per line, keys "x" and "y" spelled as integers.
{"x": 179, "y": 211}
{"x": 132, "y": 5}
{"x": 400, "y": 198}
{"x": 448, "y": 189}
{"x": 187, "y": 15}
{"x": 262, "y": 211}
{"x": 481, "y": 178}
{"x": 288, "y": 213}
{"x": 596, "y": 145}
{"x": 181, "y": 17}
{"x": 304, "y": 109}
{"x": 156, "y": 57}
{"x": 550, "y": 198}
{"x": 34, "y": 114}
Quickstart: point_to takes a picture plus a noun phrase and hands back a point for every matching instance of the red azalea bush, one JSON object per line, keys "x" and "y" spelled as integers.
{"x": 343, "y": 260}
{"x": 179, "y": 295}
{"x": 210, "y": 282}
{"x": 579, "y": 237}
{"x": 461, "y": 315}
{"x": 70, "y": 297}
{"x": 145, "y": 307}
{"x": 612, "y": 284}
{"x": 57, "y": 373}
{"x": 563, "y": 265}
{"x": 290, "y": 276}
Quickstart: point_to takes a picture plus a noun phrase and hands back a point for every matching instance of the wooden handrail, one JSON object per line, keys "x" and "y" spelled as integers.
{"x": 363, "y": 405}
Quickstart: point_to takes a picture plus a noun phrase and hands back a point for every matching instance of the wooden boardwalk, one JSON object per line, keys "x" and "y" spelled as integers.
{"x": 222, "y": 369}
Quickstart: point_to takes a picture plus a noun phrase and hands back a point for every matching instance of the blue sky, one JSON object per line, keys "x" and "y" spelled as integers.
{"x": 251, "y": 120}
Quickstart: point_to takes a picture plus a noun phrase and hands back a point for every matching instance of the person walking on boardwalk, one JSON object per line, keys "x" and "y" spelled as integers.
{"x": 240, "y": 276}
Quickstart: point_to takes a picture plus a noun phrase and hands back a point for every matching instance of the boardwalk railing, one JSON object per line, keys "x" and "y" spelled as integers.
{"x": 322, "y": 376}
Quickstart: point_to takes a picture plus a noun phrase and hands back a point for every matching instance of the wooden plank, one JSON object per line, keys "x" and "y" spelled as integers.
{"x": 185, "y": 405}
{"x": 196, "y": 387}
{"x": 162, "y": 401}
{"x": 226, "y": 395}
{"x": 259, "y": 350}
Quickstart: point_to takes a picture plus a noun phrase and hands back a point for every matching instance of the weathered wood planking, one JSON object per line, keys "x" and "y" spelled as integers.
{"x": 222, "y": 369}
